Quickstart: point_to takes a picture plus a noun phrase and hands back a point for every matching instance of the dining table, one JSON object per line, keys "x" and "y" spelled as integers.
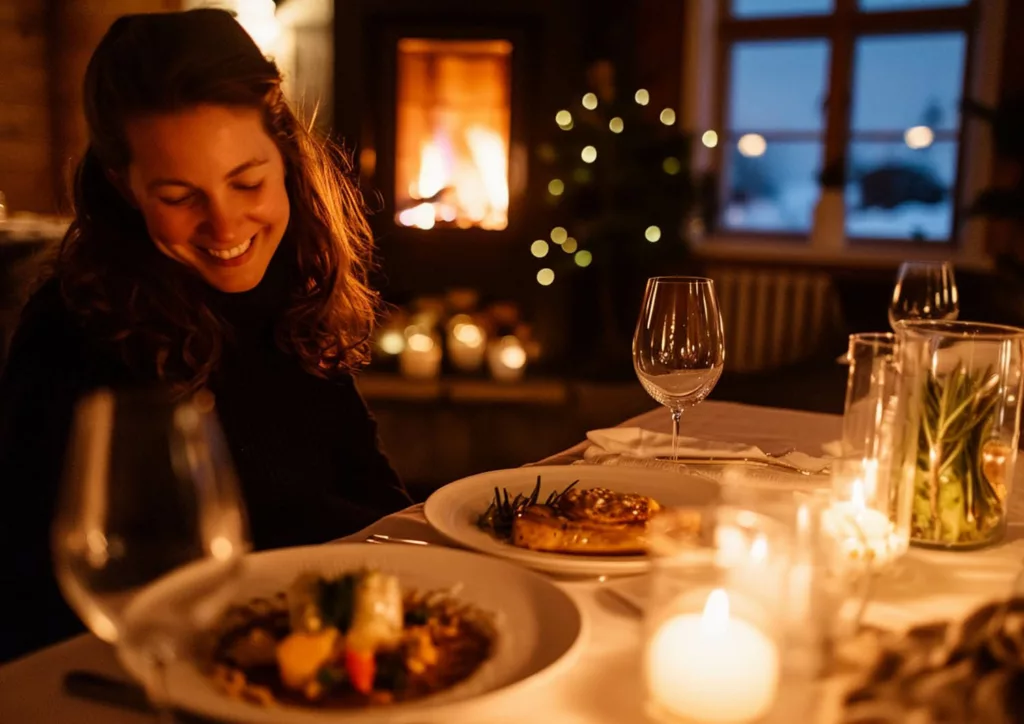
{"x": 603, "y": 683}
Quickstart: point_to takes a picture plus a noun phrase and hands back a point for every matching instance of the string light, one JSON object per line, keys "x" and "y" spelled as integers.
{"x": 671, "y": 165}
{"x": 588, "y": 154}
{"x": 642, "y": 97}
{"x": 667, "y": 116}
{"x": 556, "y": 187}
{"x": 590, "y": 101}
{"x": 583, "y": 258}
{"x": 545, "y": 277}
{"x": 569, "y": 246}
{"x": 564, "y": 120}
{"x": 709, "y": 139}
{"x": 539, "y": 248}
{"x": 652, "y": 234}
{"x": 616, "y": 125}
{"x": 559, "y": 235}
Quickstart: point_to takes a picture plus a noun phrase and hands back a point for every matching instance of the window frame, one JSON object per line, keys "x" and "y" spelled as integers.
{"x": 841, "y": 28}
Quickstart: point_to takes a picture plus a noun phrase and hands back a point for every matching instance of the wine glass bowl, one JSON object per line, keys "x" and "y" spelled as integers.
{"x": 924, "y": 290}
{"x": 148, "y": 491}
{"x": 679, "y": 344}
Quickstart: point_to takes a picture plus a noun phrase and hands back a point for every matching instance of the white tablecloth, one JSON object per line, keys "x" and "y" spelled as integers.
{"x": 604, "y": 687}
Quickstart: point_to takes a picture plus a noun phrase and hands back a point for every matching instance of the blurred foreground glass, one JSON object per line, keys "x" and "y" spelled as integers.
{"x": 149, "y": 492}
{"x": 870, "y": 395}
{"x": 924, "y": 290}
{"x": 963, "y": 384}
{"x": 679, "y": 345}
{"x": 715, "y": 621}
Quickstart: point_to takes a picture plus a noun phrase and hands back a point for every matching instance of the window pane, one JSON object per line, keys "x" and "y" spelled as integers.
{"x": 873, "y": 5}
{"x": 895, "y": 192}
{"x": 778, "y": 85}
{"x": 902, "y": 81}
{"x": 768, "y": 8}
{"x": 776, "y": 191}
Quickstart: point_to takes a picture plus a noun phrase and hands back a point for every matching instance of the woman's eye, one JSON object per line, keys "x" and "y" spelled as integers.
{"x": 249, "y": 187}
{"x": 179, "y": 201}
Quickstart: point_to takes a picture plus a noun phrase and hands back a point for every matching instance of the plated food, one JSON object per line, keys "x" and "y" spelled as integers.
{"x": 594, "y": 521}
{"x": 592, "y": 528}
{"x": 350, "y": 641}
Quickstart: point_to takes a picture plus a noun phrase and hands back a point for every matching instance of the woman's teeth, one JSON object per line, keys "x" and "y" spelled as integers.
{"x": 232, "y": 252}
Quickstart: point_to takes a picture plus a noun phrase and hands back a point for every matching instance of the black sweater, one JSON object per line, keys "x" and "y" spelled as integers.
{"x": 305, "y": 448}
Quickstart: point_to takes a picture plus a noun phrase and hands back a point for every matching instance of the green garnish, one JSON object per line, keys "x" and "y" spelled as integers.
{"x": 502, "y": 512}
{"x": 337, "y": 601}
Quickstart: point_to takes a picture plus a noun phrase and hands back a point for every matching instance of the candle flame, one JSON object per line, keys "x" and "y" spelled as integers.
{"x": 716, "y": 611}
{"x": 857, "y": 495}
{"x": 759, "y": 549}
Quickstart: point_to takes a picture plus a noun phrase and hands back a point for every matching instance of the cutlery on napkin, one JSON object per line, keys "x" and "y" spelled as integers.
{"x": 640, "y": 444}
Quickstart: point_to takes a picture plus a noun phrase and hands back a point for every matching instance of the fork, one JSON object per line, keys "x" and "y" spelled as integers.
{"x": 380, "y": 538}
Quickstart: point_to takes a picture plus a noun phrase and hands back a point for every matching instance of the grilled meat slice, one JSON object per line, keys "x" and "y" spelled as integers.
{"x": 544, "y": 528}
{"x": 601, "y": 505}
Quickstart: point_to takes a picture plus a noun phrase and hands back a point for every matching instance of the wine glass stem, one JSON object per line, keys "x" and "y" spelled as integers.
{"x": 676, "y": 414}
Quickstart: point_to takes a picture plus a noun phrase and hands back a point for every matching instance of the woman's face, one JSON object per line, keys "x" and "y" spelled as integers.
{"x": 209, "y": 182}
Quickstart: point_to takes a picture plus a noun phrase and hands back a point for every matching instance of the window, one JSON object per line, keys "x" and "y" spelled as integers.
{"x": 863, "y": 95}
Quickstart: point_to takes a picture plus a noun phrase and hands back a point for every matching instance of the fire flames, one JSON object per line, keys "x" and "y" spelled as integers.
{"x": 453, "y": 134}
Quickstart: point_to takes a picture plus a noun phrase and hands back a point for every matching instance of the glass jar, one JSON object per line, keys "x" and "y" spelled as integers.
{"x": 962, "y": 384}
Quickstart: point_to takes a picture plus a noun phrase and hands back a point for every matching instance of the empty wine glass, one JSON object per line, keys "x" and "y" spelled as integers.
{"x": 924, "y": 290}
{"x": 149, "y": 495}
{"x": 679, "y": 346}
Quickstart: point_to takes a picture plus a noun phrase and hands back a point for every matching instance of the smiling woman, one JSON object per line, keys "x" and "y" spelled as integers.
{"x": 216, "y": 243}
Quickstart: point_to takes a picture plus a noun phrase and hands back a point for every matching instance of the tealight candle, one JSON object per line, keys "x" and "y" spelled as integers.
{"x": 466, "y": 346}
{"x": 864, "y": 533}
{"x": 421, "y": 357}
{"x": 507, "y": 359}
{"x": 712, "y": 667}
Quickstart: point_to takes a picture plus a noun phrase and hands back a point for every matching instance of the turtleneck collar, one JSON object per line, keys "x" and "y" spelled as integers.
{"x": 259, "y": 308}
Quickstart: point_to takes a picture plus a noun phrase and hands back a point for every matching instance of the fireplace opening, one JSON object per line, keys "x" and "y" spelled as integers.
{"x": 453, "y": 126}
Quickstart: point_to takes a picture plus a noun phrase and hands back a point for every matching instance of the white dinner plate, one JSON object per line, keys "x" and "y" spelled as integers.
{"x": 539, "y": 628}
{"x": 453, "y": 510}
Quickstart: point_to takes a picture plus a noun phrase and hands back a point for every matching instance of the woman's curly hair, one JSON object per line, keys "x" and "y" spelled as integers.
{"x": 151, "y": 308}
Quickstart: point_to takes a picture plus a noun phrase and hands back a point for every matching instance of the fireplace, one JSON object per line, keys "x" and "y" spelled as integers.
{"x": 445, "y": 102}
{"x": 452, "y": 129}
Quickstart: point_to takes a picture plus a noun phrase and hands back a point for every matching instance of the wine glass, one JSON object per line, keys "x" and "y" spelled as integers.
{"x": 150, "y": 531}
{"x": 679, "y": 346}
{"x": 924, "y": 290}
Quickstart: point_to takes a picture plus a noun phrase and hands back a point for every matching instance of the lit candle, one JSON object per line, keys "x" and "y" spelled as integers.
{"x": 421, "y": 357}
{"x": 507, "y": 359}
{"x": 864, "y": 533}
{"x": 466, "y": 346}
{"x": 711, "y": 667}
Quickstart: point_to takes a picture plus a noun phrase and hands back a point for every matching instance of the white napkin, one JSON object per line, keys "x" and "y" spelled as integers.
{"x": 618, "y": 445}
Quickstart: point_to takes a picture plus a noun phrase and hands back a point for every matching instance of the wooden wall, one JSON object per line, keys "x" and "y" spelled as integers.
{"x": 44, "y": 48}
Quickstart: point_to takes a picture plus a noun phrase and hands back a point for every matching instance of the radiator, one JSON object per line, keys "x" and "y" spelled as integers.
{"x": 774, "y": 317}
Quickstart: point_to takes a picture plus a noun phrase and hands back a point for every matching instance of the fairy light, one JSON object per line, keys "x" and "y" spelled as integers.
{"x": 642, "y": 97}
{"x": 667, "y": 116}
{"x": 556, "y": 186}
{"x": 616, "y": 125}
{"x": 652, "y": 233}
{"x": 588, "y": 154}
{"x": 559, "y": 234}
{"x": 539, "y": 248}
{"x": 709, "y": 139}
{"x": 590, "y": 101}
{"x": 545, "y": 277}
